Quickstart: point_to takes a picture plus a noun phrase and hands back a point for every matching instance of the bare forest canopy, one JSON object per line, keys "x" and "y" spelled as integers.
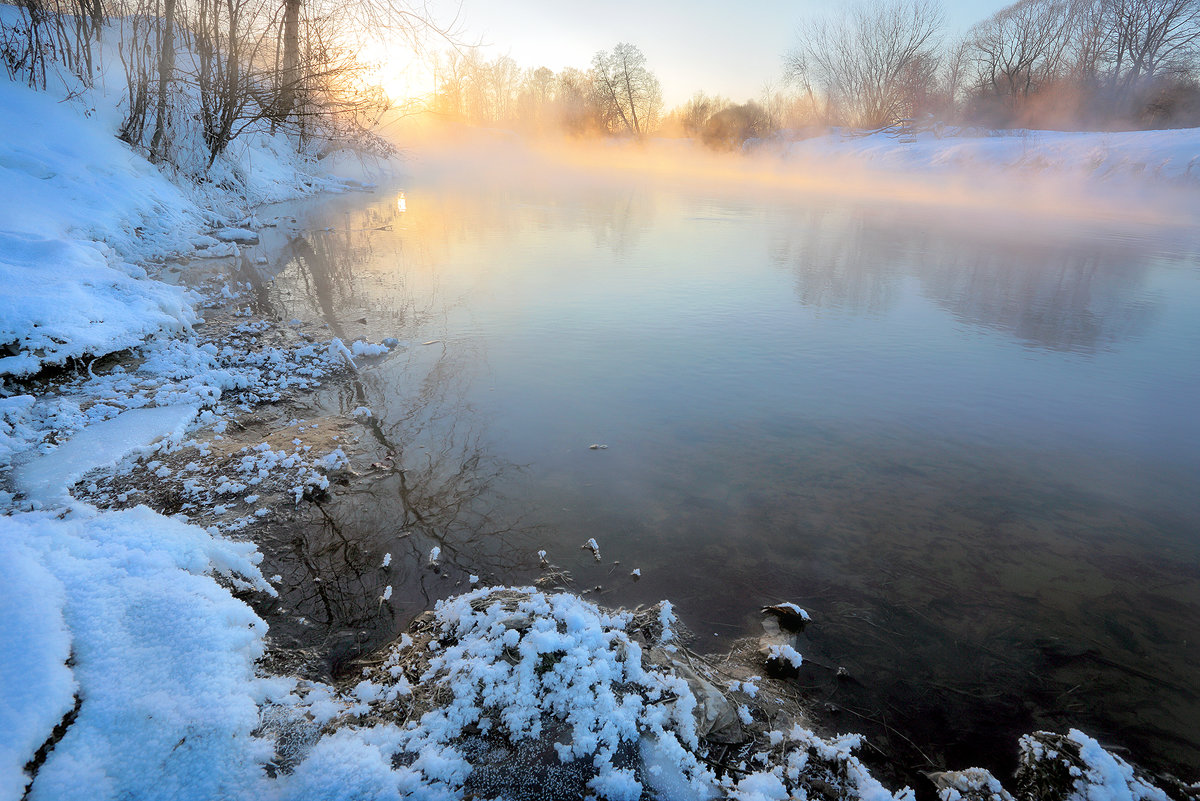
{"x": 200, "y": 73}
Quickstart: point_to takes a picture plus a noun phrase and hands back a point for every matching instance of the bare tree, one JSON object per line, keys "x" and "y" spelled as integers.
{"x": 627, "y": 92}
{"x": 696, "y": 112}
{"x": 1112, "y": 58}
{"x": 535, "y": 98}
{"x": 449, "y": 85}
{"x": 50, "y": 30}
{"x": 786, "y": 108}
{"x": 574, "y": 102}
{"x": 1147, "y": 38}
{"x": 869, "y": 61}
{"x": 1021, "y": 47}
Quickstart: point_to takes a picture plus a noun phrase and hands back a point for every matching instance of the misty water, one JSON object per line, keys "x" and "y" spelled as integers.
{"x": 970, "y": 450}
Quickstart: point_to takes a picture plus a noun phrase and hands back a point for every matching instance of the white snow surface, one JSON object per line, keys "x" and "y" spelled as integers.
{"x": 574, "y": 662}
{"x": 163, "y": 657}
{"x": 45, "y": 478}
{"x": 785, "y": 654}
{"x": 1170, "y": 154}
{"x": 39, "y": 688}
{"x": 1105, "y": 776}
{"x": 795, "y": 610}
{"x": 802, "y": 747}
{"x": 243, "y": 235}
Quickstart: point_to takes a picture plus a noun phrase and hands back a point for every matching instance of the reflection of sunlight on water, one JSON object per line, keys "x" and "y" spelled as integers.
{"x": 401, "y": 203}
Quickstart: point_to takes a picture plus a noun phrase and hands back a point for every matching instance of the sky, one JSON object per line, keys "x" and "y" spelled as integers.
{"x": 720, "y": 47}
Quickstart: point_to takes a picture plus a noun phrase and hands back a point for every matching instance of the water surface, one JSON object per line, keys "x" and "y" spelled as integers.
{"x": 969, "y": 447}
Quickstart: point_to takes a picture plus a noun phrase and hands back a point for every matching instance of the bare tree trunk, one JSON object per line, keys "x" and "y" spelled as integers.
{"x": 166, "y": 66}
{"x": 289, "y": 74}
{"x": 637, "y": 127}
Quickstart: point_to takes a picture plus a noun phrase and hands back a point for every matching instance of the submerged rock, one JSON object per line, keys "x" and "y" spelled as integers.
{"x": 972, "y": 784}
{"x": 777, "y": 649}
{"x": 789, "y": 616}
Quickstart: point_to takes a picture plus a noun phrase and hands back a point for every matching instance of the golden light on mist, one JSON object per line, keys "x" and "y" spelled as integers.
{"x": 391, "y": 68}
{"x": 976, "y": 195}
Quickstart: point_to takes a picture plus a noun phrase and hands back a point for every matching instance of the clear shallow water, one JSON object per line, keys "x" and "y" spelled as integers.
{"x": 972, "y": 453}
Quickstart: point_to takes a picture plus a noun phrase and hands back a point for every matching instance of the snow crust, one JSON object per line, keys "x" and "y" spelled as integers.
{"x": 82, "y": 208}
{"x": 512, "y": 660}
{"x": 1098, "y": 775}
{"x": 45, "y": 478}
{"x": 39, "y": 688}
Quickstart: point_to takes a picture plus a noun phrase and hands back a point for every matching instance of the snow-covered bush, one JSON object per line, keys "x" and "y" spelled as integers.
{"x": 502, "y": 674}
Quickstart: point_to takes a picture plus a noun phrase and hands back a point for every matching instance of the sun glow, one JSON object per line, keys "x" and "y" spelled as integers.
{"x": 393, "y": 68}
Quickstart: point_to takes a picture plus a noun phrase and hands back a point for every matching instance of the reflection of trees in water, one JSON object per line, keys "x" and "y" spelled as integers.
{"x": 1076, "y": 295}
{"x": 840, "y": 266}
{"x": 325, "y": 277}
{"x": 620, "y": 219}
{"x": 617, "y": 218}
{"x": 431, "y": 481}
{"x": 437, "y": 479}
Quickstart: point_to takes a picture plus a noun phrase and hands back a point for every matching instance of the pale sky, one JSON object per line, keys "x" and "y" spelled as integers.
{"x": 727, "y": 48}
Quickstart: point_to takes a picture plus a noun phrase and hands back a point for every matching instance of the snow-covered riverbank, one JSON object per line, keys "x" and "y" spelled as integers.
{"x": 129, "y": 665}
{"x": 1172, "y": 155}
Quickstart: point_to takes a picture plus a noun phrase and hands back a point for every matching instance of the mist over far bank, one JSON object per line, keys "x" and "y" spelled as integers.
{"x": 1039, "y": 180}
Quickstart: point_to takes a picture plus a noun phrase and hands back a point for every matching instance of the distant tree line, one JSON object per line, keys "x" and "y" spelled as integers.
{"x": 199, "y": 73}
{"x": 1049, "y": 63}
{"x": 1040, "y": 63}
{"x": 618, "y": 94}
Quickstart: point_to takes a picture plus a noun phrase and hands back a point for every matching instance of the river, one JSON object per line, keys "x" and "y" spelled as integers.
{"x": 969, "y": 446}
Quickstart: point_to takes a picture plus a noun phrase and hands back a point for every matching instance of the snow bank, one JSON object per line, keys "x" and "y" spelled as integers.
{"x": 162, "y": 657}
{"x": 522, "y": 666}
{"x": 1074, "y": 767}
{"x": 79, "y": 209}
{"x": 65, "y": 299}
{"x": 66, "y": 175}
{"x": 39, "y": 688}
{"x": 800, "y": 758}
{"x": 1173, "y": 154}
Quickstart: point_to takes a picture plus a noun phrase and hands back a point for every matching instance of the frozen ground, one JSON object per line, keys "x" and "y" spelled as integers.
{"x": 127, "y": 664}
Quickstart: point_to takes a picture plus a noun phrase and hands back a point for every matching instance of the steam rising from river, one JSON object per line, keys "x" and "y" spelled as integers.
{"x": 998, "y": 183}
